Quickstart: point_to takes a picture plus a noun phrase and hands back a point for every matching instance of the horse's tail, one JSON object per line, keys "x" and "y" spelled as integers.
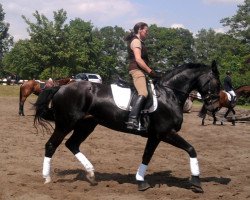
{"x": 43, "y": 111}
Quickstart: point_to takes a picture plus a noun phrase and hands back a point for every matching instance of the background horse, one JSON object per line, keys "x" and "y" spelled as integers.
{"x": 81, "y": 106}
{"x": 34, "y": 87}
{"x": 243, "y": 91}
{"x": 225, "y": 102}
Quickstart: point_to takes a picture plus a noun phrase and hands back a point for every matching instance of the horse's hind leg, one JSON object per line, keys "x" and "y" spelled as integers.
{"x": 225, "y": 116}
{"x": 82, "y": 130}
{"x": 233, "y": 117}
{"x": 21, "y": 104}
{"x": 50, "y": 148}
{"x": 177, "y": 141}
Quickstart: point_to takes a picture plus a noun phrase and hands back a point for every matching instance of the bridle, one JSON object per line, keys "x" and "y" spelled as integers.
{"x": 210, "y": 98}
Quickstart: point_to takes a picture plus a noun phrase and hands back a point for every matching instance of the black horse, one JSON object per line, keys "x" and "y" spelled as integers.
{"x": 81, "y": 106}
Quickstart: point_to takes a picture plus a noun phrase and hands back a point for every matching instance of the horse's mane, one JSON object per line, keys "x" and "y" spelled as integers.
{"x": 171, "y": 72}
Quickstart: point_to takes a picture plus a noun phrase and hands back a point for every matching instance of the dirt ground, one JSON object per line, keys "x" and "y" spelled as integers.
{"x": 223, "y": 154}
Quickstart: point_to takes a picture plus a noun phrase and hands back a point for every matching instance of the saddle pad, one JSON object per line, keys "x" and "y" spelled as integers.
{"x": 228, "y": 96}
{"x": 122, "y": 98}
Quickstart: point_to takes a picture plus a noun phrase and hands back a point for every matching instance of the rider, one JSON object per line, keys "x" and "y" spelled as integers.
{"x": 138, "y": 66}
{"x": 229, "y": 87}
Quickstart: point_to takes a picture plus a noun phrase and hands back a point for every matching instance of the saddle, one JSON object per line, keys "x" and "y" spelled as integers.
{"x": 124, "y": 95}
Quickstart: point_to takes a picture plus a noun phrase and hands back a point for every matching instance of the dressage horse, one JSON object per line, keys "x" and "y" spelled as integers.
{"x": 81, "y": 106}
{"x": 224, "y": 101}
{"x": 34, "y": 87}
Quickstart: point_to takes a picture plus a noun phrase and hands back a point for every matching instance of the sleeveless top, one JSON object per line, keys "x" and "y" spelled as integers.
{"x": 144, "y": 55}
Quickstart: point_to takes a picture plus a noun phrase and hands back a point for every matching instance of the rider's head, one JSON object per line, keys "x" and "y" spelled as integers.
{"x": 228, "y": 73}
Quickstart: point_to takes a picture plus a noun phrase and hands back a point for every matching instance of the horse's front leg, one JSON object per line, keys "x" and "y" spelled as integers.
{"x": 203, "y": 120}
{"x": 151, "y": 145}
{"x": 233, "y": 117}
{"x": 214, "y": 118}
{"x": 177, "y": 141}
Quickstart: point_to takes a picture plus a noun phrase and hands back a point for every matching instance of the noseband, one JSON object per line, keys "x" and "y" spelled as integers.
{"x": 210, "y": 98}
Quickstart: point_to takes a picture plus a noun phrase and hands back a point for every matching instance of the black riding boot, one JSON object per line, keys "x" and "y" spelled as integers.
{"x": 133, "y": 122}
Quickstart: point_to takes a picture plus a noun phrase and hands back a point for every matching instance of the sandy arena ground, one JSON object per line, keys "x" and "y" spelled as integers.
{"x": 223, "y": 153}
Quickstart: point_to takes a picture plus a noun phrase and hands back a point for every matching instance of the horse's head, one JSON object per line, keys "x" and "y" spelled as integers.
{"x": 209, "y": 87}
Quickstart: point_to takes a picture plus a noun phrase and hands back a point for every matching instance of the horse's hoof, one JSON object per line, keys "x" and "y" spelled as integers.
{"x": 91, "y": 178}
{"x": 143, "y": 185}
{"x": 196, "y": 184}
{"x": 47, "y": 180}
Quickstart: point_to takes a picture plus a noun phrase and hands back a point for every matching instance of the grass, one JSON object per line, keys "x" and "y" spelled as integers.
{"x": 9, "y": 90}
{"x": 13, "y": 91}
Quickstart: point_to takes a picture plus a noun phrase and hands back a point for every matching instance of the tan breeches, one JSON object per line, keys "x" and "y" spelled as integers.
{"x": 139, "y": 81}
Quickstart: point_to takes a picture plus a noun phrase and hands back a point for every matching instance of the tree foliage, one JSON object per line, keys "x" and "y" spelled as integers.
{"x": 59, "y": 48}
{"x": 6, "y": 40}
{"x": 239, "y": 24}
{"x": 169, "y": 47}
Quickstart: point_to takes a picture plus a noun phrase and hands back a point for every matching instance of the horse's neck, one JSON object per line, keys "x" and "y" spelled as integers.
{"x": 183, "y": 82}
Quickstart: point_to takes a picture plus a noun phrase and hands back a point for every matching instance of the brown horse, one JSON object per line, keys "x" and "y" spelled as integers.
{"x": 225, "y": 102}
{"x": 35, "y": 87}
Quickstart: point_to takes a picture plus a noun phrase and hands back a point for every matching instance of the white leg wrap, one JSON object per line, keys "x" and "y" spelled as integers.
{"x": 85, "y": 162}
{"x": 141, "y": 172}
{"x": 46, "y": 167}
{"x": 194, "y": 166}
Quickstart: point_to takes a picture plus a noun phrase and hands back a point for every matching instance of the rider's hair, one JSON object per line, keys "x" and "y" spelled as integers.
{"x": 137, "y": 27}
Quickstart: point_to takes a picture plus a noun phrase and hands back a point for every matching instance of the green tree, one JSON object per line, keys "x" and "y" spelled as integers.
{"x": 20, "y": 60}
{"x": 169, "y": 47}
{"x": 82, "y": 47}
{"x": 206, "y": 44}
{"x": 239, "y": 24}
{"x": 113, "y": 60}
{"x": 228, "y": 51}
{"x": 48, "y": 40}
{"x": 6, "y": 40}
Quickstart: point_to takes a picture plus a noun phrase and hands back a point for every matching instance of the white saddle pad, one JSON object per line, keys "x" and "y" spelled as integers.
{"x": 122, "y": 98}
{"x": 228, "y": 96}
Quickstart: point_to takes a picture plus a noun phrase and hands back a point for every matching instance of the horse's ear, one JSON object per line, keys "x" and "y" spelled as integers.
{"x": 215, "y": 68}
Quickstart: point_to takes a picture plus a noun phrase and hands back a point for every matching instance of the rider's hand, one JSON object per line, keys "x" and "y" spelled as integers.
{"x": 152, "y": 74}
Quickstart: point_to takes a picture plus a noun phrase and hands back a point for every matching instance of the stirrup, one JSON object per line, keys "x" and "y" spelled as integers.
{"x": 135, "y": 125}
{"x": 132, "y": 124}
